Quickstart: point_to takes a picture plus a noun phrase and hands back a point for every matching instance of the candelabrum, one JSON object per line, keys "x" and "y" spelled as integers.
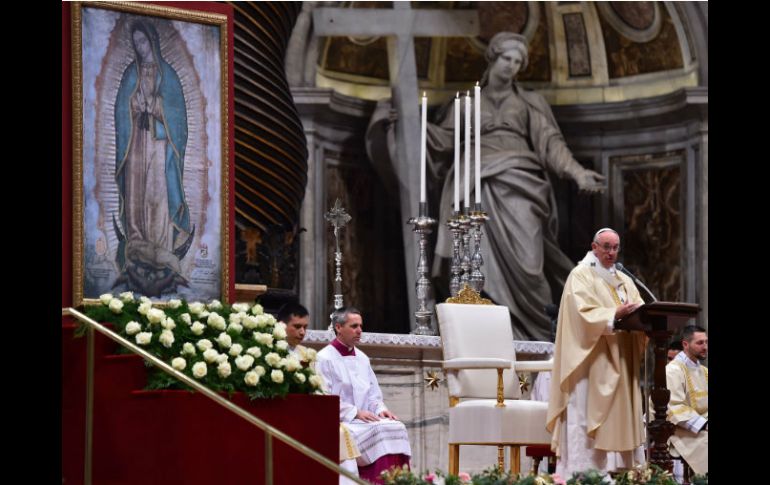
{"x": 454, "y": 226}
{"x": 478, "y": 218}
{"x": 423, "y": 226}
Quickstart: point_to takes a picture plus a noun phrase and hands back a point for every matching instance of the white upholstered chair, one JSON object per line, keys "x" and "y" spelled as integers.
{"x": 485, "y": 407}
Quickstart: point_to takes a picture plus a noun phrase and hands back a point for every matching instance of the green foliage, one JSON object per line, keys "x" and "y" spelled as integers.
{"x": 589, "y": 477}
{"x": 490, "y": 476}
{"x": 229, "y": 349}
{"x": 646, "y": 475}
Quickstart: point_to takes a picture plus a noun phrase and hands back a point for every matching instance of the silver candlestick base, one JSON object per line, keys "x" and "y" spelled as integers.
{"x": 478, "y": 218}
{"x": 423, "y": 226}
{"x": 457, "y": 251}
{"x": 465, "y": 248}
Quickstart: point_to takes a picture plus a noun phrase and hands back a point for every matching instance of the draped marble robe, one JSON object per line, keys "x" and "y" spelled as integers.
{"x": 520, "y": 144}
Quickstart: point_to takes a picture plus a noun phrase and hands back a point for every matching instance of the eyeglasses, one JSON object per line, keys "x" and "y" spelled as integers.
{"x": 607, "y": 248}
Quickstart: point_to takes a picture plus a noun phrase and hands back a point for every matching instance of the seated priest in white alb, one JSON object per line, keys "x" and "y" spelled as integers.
{"x": 381, "y": 438}
{"x": 297, "y": 318}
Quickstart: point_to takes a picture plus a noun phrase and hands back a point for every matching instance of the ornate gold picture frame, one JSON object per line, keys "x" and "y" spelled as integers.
{"x": 151, "y": 164}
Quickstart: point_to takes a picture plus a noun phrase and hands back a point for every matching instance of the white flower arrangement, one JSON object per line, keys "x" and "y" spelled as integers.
{"x": 245, "y": 347}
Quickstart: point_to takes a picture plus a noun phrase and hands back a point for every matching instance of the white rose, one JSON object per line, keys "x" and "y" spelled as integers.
{"x": 210, "y": 355}
{"x": 224, "y": 370}
{"x": 241, "y": 307}
{"x": 262, "y": 321}
{"x": 257, "y": 309}
{"x": 310, "y": 355}
{"x": 235, "y": 328}
{"x": 251, "y": 378}
{"x": 216, "y": 321}
{"x": 282, "y": 345}
{"x": 155, "y": 315}
{"x": 105, "y": 298}
{"x": 144, "y": 299}
{"x": 272, "y": 321}
{"x": 197, "y": 328}
{"x": 196, "y": 307}
{"x": 279, "y": 333}
{"x": 236, "y": 349}
{"x": 222, "y": 358}
{"x": 254, "y": 351}
{"x": 186, "y": 318}
{"x": 143, "y": 338}
{"x": 200, "y": 370}
{"x": 300, "y": 377}
{"x": 116, "y": 306}
{"x": 249, "y": 322}
{"x": 282, "y": 363}
{"x": 179, "y": 363}
{"x": 174, "y": 303}
{"x": 168, "y": 323}
{"x": 204, "y": 314}
{"x": 166, "y": 338}
{"x": 264, "y": 338}
{"x": 292, "y": 364}
{"x": 244, "y": 362}
{"x": 277, "y": 376}
{"x": 133, "y": 327}
{"x": 234, "y": 318}
{"x": 316, "y": 381}
{"x": 273, "y": 359}
{"x": 280, "y": 325}
{"x": 144, "y": 308}
{"x": 204, "y": 344}
{"x": 188, "y": 349}
{"x": 127, "y": 296}
{"x": 259, "y": 370}
{"x": 215, "y": 305}
{"x": 224, "y": 340}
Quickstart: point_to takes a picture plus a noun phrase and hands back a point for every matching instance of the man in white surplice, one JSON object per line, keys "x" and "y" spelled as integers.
{"x": 381, "y": 438}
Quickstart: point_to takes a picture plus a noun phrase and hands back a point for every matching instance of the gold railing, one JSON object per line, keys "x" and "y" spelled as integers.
{"x": 270, "y": 432}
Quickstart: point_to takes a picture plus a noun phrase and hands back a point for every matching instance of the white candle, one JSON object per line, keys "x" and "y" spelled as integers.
{"x": 422, "y": 145}
{"x": 457, "y": 152}
{"x": 467, "y": 192}
{"x": 477, "y": 137}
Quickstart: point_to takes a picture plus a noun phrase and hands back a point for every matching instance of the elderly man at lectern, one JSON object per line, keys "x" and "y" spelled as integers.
{"x": 595, "y": 405}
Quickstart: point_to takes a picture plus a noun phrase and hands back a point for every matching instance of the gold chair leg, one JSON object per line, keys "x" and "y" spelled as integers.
{"x": 500, "y": 458}
{"x": 515, "y": 459}
{"x": 454, "y": 459}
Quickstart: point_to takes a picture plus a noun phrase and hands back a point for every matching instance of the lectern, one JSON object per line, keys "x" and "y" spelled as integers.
{"x": 659, "y": 320}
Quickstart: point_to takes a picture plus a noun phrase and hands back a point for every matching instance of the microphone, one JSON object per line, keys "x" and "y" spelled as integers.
{"x": 636, "y": 280}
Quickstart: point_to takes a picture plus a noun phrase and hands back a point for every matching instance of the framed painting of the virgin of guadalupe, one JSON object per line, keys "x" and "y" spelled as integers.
{"x": 151, "y": 152}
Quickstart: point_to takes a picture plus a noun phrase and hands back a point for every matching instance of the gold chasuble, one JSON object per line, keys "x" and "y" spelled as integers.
{"x": 609, "y": 361}
{"x": 688, "y": 383}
